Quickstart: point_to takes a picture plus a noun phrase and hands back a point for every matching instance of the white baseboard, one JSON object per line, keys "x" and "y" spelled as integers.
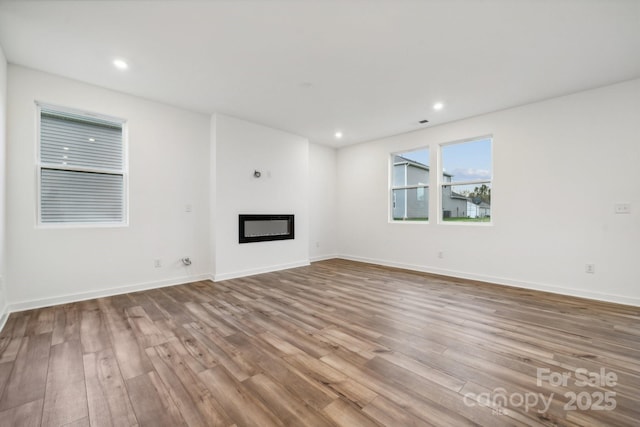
{"x": 82, "y": 296}
{"x": 69, "y": 298}
{"x": 619, "y": 299}
{"x": 254, "y": 271}
{"x": 4, "y": 316}
{"x": 323, "y": 257}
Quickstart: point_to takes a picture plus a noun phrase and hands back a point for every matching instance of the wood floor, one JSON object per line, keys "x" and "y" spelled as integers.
{"x": 336, "y": 343}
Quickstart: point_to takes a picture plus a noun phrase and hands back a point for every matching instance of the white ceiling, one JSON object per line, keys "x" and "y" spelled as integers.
{"x": 369, "y": 68}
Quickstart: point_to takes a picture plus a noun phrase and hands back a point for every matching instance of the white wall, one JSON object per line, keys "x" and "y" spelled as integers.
{"x": 322, "y": 202}
{"x": 212, "y": 193}
{"x": 283, "y": 158}
{"x": 572, "y": 158}
{"x": 169, "y": 169}
{"x": 3, "y": 184}
{"x": 576, "y": 154}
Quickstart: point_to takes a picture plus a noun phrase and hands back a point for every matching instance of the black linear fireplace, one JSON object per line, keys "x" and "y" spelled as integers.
{"x": 263, "y": 228}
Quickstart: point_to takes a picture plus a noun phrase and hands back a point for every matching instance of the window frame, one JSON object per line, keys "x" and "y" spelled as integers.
{"x": 39, "y": 166}
{"x": 441, "y": 184}
{"x": 426, "y": 187}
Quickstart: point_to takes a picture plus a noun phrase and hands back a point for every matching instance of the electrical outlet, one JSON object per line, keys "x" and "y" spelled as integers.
{"x": 157, "y": 263}
{"x": 590, "y": 268}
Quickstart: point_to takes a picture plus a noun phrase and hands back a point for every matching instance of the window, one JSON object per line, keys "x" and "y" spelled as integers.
{"x": 466, "y": 181}
{"x": 81, "y": 168}
{"x": 410, "y": 185}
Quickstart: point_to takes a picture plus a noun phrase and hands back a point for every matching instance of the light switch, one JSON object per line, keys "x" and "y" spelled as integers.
{"x": 623, "y": 208}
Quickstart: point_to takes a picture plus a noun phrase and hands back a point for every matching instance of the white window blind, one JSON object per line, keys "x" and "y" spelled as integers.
{"x": 82, "y": 168}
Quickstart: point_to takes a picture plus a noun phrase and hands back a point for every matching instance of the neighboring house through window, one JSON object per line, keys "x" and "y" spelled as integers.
{"x": 465, "y": 182}
{"x": 467, "y": 178}
{"x": 410, "y": 186}
{"x": 82, "y": 173}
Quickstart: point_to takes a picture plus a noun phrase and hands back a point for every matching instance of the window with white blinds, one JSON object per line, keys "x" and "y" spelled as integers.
{"x": 82, "y": 173}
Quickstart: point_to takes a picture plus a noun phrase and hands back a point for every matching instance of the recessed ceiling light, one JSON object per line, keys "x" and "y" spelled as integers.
{"x": 92, "y": 139}
{"x": 120, "y": 64}
{"x": 338, "y": 135}
{"x": 65, "y": 148}
{"x": 438, "y": 106}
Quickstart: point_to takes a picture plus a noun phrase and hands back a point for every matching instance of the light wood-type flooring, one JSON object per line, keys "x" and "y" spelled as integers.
{"x": 335, "y": 343}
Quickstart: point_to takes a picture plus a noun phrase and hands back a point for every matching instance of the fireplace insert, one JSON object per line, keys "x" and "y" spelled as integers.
{"x": 263, "y": 228}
